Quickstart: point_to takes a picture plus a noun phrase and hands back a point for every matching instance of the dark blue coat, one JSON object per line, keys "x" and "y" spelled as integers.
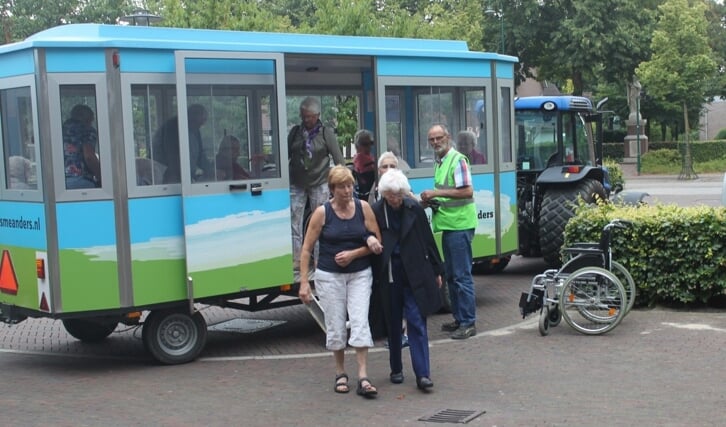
{"x": 419, "y": 256}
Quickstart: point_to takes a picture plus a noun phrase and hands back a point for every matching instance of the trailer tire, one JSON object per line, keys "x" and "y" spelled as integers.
{"x": 90, "y": 329}
{"x": 174, "y": 336}
{"x": 557, "y": 208}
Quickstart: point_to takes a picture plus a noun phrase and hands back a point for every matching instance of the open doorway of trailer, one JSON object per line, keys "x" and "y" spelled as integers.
{"x": 341, "y": 111}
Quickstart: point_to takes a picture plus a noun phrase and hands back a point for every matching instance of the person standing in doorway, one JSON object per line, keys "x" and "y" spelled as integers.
{"x": 454, "y": 214}
{"x": 310, "y": 148}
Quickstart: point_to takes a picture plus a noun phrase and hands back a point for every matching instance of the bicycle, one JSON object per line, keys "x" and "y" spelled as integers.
{"x": 588, "y": 290}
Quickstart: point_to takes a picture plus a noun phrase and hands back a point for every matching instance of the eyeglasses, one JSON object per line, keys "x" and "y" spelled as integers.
{"x": 437, "y": 138}
{"x": 388, "y": 166}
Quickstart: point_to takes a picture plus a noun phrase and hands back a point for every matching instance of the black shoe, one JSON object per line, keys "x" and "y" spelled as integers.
{"x": 450, "y": 327}
{"x": 424, "y": 383}
{"x": 396, "y": 377}
{"x": 464, "y": 332}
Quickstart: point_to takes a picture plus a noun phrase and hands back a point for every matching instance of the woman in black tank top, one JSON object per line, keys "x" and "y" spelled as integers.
{"x": 348, "y": 233}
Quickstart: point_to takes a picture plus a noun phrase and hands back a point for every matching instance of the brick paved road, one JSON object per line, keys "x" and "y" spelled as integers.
{"x": 657, "y": 368}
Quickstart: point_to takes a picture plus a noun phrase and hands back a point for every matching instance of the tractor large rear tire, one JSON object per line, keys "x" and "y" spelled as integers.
{"x": 558, "y": 206}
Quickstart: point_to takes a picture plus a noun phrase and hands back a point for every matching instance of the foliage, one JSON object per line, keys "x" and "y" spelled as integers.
{"x": 23, "y": 18}
{"x": 667, "y": 161}
{"x": 613, "y": 150}
{"x": 615, "y": 172}
{"x": 721, "y": 134}
{"x": 675, "y": 254}
{"x": 218, "y": 14}
{"x": 701, "y": 151}
{"x": 660, "y": 162}
{"x": 682, "y": 70}
{"x": 612, "y": 39}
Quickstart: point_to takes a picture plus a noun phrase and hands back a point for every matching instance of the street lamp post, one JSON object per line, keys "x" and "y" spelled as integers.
{"x": 500, "y": 14}
{"x": 637, "y": 130}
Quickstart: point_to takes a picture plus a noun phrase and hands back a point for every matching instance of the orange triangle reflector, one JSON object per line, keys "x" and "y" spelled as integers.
{"x": 8, "y": 280}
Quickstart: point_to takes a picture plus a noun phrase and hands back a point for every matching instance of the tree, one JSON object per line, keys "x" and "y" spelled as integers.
{"x": 23, "y": 18}
{"x": 591, "y": 41}
{"x": 682, "y": 73}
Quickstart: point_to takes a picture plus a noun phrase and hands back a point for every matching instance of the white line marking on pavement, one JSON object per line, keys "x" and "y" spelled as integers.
{"x": 507, "y": 330}
{"x": 693, "y": 326}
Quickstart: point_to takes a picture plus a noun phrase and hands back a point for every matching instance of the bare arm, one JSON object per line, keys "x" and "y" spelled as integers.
{"x": 372, "y": 243}
{"x": 89, "y": 155}
{"x": 454, "y": 193}
{"x": 315, "y": 226}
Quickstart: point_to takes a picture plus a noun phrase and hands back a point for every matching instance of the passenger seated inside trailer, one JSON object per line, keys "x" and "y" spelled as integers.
{"x": 226, "y": 161}
{"x": 80, "y": 140}
{"x": 20, "y": 170}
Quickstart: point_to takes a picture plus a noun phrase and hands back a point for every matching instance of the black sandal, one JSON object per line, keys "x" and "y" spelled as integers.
{"x": 339, "y": 386}
{"x": 368, "y": 391}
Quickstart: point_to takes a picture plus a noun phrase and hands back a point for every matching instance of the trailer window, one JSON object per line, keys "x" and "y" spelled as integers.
{"x": 434, "y": 106}
{"x": 16, "y": 124}
{"x": 505, "y": 124}
{"x": 476, "y": 122}
{"x": 152, "y": 105}
{"x": 81, "y": 153}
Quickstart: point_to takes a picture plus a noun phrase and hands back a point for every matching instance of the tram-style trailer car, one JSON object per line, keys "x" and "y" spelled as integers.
{"x": 155, "y": 234}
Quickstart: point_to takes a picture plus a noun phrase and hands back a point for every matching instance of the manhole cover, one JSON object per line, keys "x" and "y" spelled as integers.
{"x": 455, "y": 416}
{"x": 245, "y": 326}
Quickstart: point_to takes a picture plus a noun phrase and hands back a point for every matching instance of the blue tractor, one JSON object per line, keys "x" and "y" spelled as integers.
{"x": 559, "y": 158}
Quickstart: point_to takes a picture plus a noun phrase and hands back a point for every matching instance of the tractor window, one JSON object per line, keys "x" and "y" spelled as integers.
{"x": 574, "y": 137}
{"x": 536, "y": 138}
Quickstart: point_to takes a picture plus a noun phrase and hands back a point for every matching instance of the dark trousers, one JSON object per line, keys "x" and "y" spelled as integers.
{"x": 403, "y": 303}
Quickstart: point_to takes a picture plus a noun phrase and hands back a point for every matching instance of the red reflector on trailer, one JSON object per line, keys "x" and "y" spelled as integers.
{"x": 40, "y": 268}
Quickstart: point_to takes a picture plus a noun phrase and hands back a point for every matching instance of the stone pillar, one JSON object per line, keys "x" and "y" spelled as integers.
{"x": 635, "y": 123}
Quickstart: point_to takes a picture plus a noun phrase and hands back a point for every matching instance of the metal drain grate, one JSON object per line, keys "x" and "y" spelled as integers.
{"x": 456, "y": 416}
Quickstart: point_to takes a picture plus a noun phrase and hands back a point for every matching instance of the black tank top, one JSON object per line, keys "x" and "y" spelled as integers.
{"x": 340, "y": 235}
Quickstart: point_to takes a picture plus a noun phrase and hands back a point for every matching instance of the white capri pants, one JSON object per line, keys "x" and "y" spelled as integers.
{"x": 341, "y": 294}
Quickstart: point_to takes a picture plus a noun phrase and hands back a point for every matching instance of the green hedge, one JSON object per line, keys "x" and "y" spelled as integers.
{"x": 701, "y": 151}
{"x": 614, "y": 150}
{"x": 675, "y": 254}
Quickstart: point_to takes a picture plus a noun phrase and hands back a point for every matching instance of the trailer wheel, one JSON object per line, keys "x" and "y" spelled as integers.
{"x": 90, "y": 329}
{"x": 557, "y": 209}
{"x": 174, "y": 336}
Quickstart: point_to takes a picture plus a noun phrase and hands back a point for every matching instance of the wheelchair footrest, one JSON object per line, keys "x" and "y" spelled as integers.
{"x": 530, "y": 302}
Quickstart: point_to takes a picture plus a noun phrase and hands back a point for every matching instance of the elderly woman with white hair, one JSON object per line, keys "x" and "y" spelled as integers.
{"x": 408, "y": 274}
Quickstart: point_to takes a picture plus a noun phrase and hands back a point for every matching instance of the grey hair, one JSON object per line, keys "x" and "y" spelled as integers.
{"x": 442, "y": 126}
{"x": 363, "y": 134}
{"x": 466, "y": 136}
{"x": 310, "y": 104}
{"x": 394, "y": 181}
{"x": 387, "y": 155}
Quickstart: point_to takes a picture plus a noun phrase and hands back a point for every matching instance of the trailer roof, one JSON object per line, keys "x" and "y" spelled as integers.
{"x": 140, "y": 37}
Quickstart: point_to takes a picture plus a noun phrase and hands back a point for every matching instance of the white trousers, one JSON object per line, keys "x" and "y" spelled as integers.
{"x": 344, "y": 294}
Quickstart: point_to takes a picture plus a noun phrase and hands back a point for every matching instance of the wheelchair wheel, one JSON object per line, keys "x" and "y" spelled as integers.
{"x": 626, "y": 279}
{"x": 544, "y": 321}
{"x": 555, "y": 315}
{"x": 593, "y": 300}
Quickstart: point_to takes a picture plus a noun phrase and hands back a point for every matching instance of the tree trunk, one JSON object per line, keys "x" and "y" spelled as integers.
{"x": 687, "y": 171}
